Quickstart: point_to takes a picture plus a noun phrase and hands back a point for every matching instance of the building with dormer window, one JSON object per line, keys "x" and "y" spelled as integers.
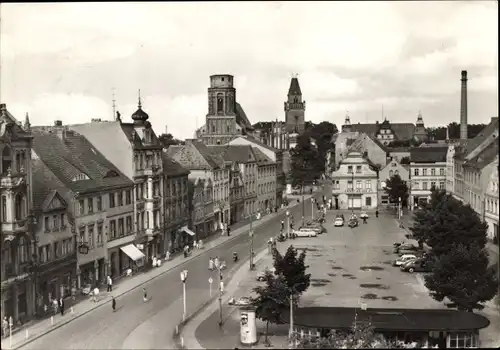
{"x": 491, "y": 203}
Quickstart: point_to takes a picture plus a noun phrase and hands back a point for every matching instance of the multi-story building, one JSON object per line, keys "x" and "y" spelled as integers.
{"x": 355, "y": 183}
{"x": 201, "y": 206}
{"x": 225, "y": 119}
{"x": 201, "y": 163}
{"x": 392, "y": 168}
{"x": 427, "y": 171}
{"x": 273, "y": 134}
{"x": 266, "y": 182}
{"x": 17, "y": 221}
{"x": 244, "y": 157}
{"x": 491, "y": 202}
{"x": 137, "y": 153}
{"x": 367, "y": 145}
{"x": 55, "y": 275}
{"x": 100, "y": 203}
{"x": 176, "y": 203}
{"x": 237, "y": 191}
{"x": 275, "y": 155}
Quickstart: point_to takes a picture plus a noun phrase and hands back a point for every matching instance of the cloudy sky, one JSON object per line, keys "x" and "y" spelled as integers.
{"x": 62, "y": 61}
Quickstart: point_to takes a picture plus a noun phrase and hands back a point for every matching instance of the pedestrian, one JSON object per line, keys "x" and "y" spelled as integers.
{"x": 96, "y": 294}
{"x": 109, "y": 282}
{"x": 282, "y": 225}
{"x": 113, "y": 303}
{"x": 55, "y": 305}
{"x": 144, "y": 295}
{"x": 5, "y": 326}
{"x": 61, "y": 306}
{"x": 228, "y": 231}
{"x": 167, "y": 255}
{"x": 376, "y": 213}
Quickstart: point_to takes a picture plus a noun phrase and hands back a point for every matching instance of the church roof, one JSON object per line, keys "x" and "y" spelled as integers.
{"x": 402, "y": 131}
{"x": 241, "y": 118}
{"x": 294, "y": 87}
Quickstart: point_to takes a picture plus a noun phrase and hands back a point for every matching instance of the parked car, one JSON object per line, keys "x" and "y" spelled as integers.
{"x": 405, "y": 246}
{"x": 353, "y": 223}
{"x": 316, "y": 229}
{"x": 339, "y": 221}
{"x": 262, "y": 275}
{"x": 404, "y": 259}
{"x": 363, "y": 215}
{"x": 417, "y": 265}
{"x": 305, "y": 232}
{"x": 243, "y": 301}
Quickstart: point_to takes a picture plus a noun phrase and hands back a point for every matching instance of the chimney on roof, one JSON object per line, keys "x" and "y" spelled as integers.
{"x": 463, "y": 107}
{"x": 58, "y": 123}
{"x": 59, "y": 129}
{"x": 3, "y": 106}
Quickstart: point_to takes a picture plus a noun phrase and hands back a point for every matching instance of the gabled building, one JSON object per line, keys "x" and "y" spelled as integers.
{"x": 177, "y": 231}
{"x": 196, "y": 157}
{"x": 369, "y": 147}
{"x": 201, "y": 207}
{"x": 355, "y": 183}
{"x": 17, "y": 221}
{"x": 225, "y": 119}
{"x": 266, "y": 182}
{"x": 491, "y": 202}
{"x": 392, "y": 168}
{"x": 427, "y": 171}
{"x": 277, "y": 156}
{"x": 99, "y": 198}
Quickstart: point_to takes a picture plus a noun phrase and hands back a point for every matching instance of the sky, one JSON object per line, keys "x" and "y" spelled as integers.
{"x": 64, "y": 61}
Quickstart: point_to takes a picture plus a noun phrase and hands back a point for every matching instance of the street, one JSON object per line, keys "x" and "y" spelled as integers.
{"x": 136, "y": 324}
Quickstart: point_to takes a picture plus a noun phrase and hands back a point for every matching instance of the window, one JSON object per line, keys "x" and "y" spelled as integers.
{"x": 433, "y": 184}
{"x": 424, "y": 185}
{"x": 128, "y": 224}
{"x": 55, "y": 221}
{"x": 4, "y": 208}
{"x": 349, "y": 169}
{"x": 57, "y": 247}
{"x": 82, "y": 234}
{"x": 112, "y": 229}
{"x": 46, "y": 224}
{"x": 91, "y": 236}
{"x": 359, "y": 184}
{"x": 220, "y": 102}
{"x": 391, "y": 173}
{"x": 441, "y": 185}
{"x": 462, "y": 340}
{"x": 416, "y": 172}
{"x": 120, "y": 198}
{"x": 368, "y": 201}
{"x": 368, "y": 185}
{"x": 424, "y": 172}
{"x": 441, "y": 172}
{"x": 111, "y": 200}
{"x": 358, "y": 169}
{"x": 90, "y": 205}
{"x": 99, "y": 203}
{"x": 128, "y": 197}
{"x": 121, "y": 227}
{"x": 81, "y": 206}
{"x": 99, "y": 234}
{"x": 18, "y": 204}
{"x": 349, "y": 184}
{"x": 433, "y": 172}
{"x": 138, "y": 221}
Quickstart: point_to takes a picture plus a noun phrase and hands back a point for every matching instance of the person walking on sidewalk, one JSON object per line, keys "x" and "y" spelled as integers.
{"x": 110, "y": 284}
{"x": 61, "y": 306}
{"x": 113, "y": 303}
{"x": 144, "y": 295}
{"x": 282, "y": 225}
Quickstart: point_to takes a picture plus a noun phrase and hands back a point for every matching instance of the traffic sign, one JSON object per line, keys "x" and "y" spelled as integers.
{"x": 210, "y": 280}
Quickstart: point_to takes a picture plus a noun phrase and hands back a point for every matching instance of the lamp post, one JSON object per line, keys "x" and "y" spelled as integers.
{"x": 312, "y": 208}
{"x": 250, "y": 233}
{"x": 352, "y": 200}
{"x": 32, "y": 222}
{"x": 399, "y": 208}
{"x": 184, "y": 276}
{"x": 288, "y": 223}
{"x": 303, "y": 206}
{"x": 218, "y": 267}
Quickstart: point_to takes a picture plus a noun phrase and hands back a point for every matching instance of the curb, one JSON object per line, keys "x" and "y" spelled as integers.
{"x": 179, "y": 328}
{"x": 104, "y": 301}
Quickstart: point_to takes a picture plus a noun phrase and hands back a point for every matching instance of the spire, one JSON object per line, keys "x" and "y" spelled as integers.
{"x": 420, "y": 120}
{"x": 27, "y": 124}
{"x": 347, "y": 118}
{"x": 139, "y": 105}
{"x": 294, "y": 86}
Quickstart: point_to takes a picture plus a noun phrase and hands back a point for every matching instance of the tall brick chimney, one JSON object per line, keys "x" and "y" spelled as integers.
{"x": 463, "y": 107}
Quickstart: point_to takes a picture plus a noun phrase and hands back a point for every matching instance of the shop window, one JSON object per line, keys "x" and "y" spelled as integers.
{"x": 460, "y": 340}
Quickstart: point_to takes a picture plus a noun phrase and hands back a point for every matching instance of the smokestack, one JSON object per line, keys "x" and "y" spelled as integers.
{"x": 463, "y": 107}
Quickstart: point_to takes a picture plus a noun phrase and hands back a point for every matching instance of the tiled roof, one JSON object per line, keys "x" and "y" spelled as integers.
{"x": 261, "y": 158}
{"x": 171, "y": 167}
{"x": 233, "y": 153}
{"x": 257, "y": 142}
{"x": 172, "y": 150}
{"x": 45, "y": 183}
{"x": 241, "y": 117}
{"x": 294, "y": 87}
{"x": 484, "y": 158}
{"x": 483, "y": 135}
{"x": 402, "y": 131}
{"x": 428, "y": 154}
{"x": 76, "y": 156}
{"x": 207, "y": 161}
{"x": 399, "y": 149}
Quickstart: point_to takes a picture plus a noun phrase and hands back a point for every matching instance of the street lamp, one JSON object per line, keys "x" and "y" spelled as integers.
{"x": 312, "y": 208}
{"x": 250, "y": 233}
{"x": 303, "y": 206}
{"x": 288, "y": 223}
{"x": 218, "y": 267}
{"x": 399, "y": 208}
{"x": 184, "y": 276}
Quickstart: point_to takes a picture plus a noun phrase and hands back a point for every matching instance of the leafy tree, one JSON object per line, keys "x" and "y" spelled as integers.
{"x": 463, "y": 277}
{"x": 396, "y": 188}
{"x": 445, "y": 221}
{"x": 361, "y": 336}
{"x": 272, "y": 300}
{"x": 168, "y": 140}
{"x": 405, "y": 160}
{"x": 306, "y": 165}
{"x": 293, "y": 268}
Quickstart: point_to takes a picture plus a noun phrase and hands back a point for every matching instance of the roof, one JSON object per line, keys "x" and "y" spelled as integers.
{"x": 241, "y": 117}
{"x": 428, "y": 154}
{"x": 8, "y": 123}
{"x": 257, "y": 142}
{"x": 76, "y": 157}
{"x": 171, "y": 167}
{"x": 45, "y": 184}
{"x": 399, "y": 149}
{"x": 173, "y": 149}
{"x": 294, "y": 87}
{"x": 484, "y": 158}
{"x": 233, "y": 153}
{"x": 389, "y": 319}
{"x": 191, "y": 162}
{"x": 261, "y": 158}
{"x": 483, "y": 135}
{"x": 402, "y": 131}
{"x": 378, "y": 143}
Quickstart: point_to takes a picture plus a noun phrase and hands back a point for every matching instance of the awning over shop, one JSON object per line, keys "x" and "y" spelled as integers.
{"x": 188, "y": 231}
{"x": 132, "y": 252}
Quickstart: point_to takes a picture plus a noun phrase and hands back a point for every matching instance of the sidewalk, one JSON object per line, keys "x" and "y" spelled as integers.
{"x": 125, "y": 285}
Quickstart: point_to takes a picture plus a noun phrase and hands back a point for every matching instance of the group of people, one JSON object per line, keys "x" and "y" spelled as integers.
{"x": 214, "y": 262}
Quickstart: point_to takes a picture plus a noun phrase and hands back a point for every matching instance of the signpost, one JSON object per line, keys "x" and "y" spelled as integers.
{"x": 210, "y": 281}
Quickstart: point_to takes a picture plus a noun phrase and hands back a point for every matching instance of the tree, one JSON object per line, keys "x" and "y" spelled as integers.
{"x": 293, "y": 269}
{"x": 272, "y": 300}
{"x": 168, "y": 140}
{"x": 405, "y": 160}
{"x": 306, "y": 166}
{"x": 396, "y": 188}
{"x": 361, "y": 336}
{"x": 445, "y": 221}
{"x": 463, "y": 277}
{"x": 323, "y": 133}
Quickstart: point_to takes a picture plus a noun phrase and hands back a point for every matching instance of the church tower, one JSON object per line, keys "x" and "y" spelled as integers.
{"x": 295, "y": 108}
{"x": 221, "y": 126}
{"x": 420, "y": 133}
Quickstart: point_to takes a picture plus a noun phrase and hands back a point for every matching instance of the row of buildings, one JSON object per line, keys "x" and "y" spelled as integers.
{"x": 362, "y": 161}
{"x": 81, "y": 202}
